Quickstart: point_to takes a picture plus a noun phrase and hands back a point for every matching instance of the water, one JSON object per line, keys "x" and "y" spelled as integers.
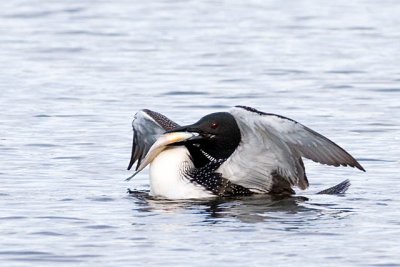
{"x": 73, "y": 74}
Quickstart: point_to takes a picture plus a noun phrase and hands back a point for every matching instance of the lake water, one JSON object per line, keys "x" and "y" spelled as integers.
{"x": 73, "y": 73}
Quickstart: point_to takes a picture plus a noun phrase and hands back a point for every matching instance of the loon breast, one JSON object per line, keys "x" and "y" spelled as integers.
{"x": 167, "y": 177}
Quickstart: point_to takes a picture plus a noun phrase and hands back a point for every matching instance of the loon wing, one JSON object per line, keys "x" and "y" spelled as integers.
{"x": 270, "y": 152}
{"x": 147, "y": 127}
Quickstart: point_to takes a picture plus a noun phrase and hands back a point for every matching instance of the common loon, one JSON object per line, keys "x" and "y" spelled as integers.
{"x": 240, "y": 152}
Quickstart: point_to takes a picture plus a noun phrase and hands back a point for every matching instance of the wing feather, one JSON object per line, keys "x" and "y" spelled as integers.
{"x": 271, "y": 148}
{"x": 306, "y": 141}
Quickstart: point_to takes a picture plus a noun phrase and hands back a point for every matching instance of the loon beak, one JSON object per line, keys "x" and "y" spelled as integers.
{"x": 161, "y": 143}
{"x": 198, "y": 133}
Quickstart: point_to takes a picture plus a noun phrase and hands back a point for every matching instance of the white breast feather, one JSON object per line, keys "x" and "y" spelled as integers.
{"x": 166, "y": 179}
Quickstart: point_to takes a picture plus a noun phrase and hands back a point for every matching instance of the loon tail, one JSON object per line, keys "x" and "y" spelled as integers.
{"x": 337, "y": 189}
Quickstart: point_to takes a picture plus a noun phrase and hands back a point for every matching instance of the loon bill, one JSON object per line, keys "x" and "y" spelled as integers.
{"x": 240, "y": 152}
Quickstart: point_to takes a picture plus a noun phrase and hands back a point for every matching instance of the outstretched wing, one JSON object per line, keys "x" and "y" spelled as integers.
{"x": 147, "y": 127}
{"x": 271, "y": 150}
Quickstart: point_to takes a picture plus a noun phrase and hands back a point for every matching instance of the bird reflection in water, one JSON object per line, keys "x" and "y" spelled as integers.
{"x": 248, "y": 209}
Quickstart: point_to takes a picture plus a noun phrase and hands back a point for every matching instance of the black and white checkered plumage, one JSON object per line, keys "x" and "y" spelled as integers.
{"x": 240, "y": 152}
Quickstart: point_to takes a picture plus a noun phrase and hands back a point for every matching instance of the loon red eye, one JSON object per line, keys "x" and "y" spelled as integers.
{"x": 214, "y": 125}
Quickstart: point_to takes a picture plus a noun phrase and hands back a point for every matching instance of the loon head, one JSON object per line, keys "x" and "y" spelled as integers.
{"x": 214, "y": 137}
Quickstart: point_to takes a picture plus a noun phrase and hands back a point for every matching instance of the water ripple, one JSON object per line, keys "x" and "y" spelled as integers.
{"x": 74, "y": 73}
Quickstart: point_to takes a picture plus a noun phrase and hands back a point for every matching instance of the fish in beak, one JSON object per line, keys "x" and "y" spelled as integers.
{"x": 162, "y": 143}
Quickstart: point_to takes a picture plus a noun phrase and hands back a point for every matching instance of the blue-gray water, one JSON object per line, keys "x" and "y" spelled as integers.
{"x": 73, "y": 73}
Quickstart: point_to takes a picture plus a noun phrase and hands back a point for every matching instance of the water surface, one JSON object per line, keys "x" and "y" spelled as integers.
{"x": 74, "y": 73}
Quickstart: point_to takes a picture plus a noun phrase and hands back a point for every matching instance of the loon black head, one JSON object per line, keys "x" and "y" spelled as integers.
{"x": 218, "y": 136}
